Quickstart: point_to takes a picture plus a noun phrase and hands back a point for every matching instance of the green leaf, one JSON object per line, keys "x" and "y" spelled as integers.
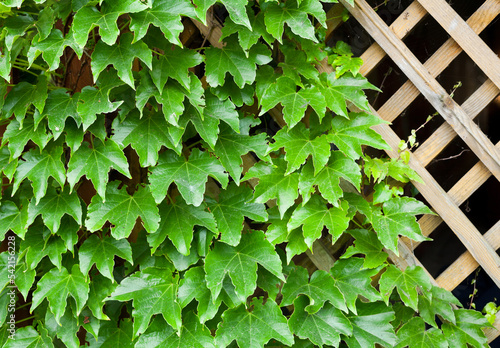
{"x": 467, "y": 330}
{"x": 230, "y": 211}
{"x": 66, "y": 330}
{"x": 400, "y": 171}
{"x": 252, "y": 329}
{"x": 353, "y": 281}
{"x": 231, "y": 58}
{"x": 299, "y": 145}
{"x": 122, "y": 211}
{"x": 53, "y": 206}
{"x": 322, "y": 327}
{"x": 38, "y": 167}
{"x": 319, "y": 289}
{"x": 101, "y": 252}
{"x": 121, "y": 56}
{"x": 58, "y": 107}
{"x": 100, "y": 288}
{"x": 236, "y": 9}
{"x": 295, "y": 65}
{"x": 28, "y": 337}
{"x": 57, "y": 285}
{"x": 146, "y": 135}
{"x": 437, "y": 301}
{"x": 295, "y": 14}
{"x": 239, "y": 96}
{"x": 247, "y": 37}
{"x": 114, "y": 334}
{"x": 24, "y": 278}
{"x": 12, "y": 219}
{"x": 45, "y": 22}
{"x": 89, "y": 17}
{"x": 328, "y": 178}
{"x": 371, "y": 325}
{"x": 407, "y": 282}
{"x": 194, "y": 286}
{"x": 240, "y": 263}
{"x": 190, "y": 175}
{"x": 314, "y": 215}
{"x": 153, "y": 291}
{"x": 39, "y": 243}
{"x": 174, "y": 63}
{"x": 18, "y": 136}
{"x": 413, "y": 334}
{"x": 15, "y": 26}
{"x": 274, "y": 183}
{"x": 399, "y": 219}
{"x": 367, "y": 244}
{"x": 192, "y": 334}
{"x": 95, "y": 162}
{"x": 22, "y": 96}
{"x": 164, "y": 14}
{"x": 350, "y": 135}
{"x": 177, "y": 222}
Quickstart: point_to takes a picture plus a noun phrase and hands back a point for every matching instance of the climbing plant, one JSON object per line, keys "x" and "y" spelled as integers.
{"x": 150, "y": 200}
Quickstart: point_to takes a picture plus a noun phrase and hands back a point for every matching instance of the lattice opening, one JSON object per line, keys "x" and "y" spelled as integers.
{"x": 418, "y": 43}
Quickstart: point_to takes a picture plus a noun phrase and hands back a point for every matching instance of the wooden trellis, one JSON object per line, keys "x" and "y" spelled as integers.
{"x": 481, "y": 249}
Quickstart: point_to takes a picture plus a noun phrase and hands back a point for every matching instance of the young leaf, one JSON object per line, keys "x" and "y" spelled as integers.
{"x": 350, "y": 134}
{"x": 153, "y": 291}
{"x": 413, "y": 334}
{"x": 367, "y": 244}
{"x": 121, "y": 56}
{"x": 273, "y": 183}
{"x": 122, "y": 211}
{"x": 102, "y": 252}
{"x": 323, "y": 327}
{"x": 177, "y": 222}
{"x": 314, "y": 215}
{"x": 299, "y": 145}
{"x": 231, "y": 209}
{"x": 57, "y": 285}
{"x": 240, "y": 263}
{"x": 319, "y": 289}
{"x": 252, "y": 329}
{"x": 467, "y": 330}
{"x": 189, "y": 175}
{"x": 95, "y": 162}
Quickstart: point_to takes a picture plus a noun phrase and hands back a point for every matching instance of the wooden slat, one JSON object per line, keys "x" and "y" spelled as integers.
{"x": 334, "y": 20}
{"x": 439, "y": 61}
{"x": 471, "y": 43}
{"x": 401, "y": 27}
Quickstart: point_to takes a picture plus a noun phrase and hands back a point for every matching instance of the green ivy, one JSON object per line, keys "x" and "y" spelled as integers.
{"x": 129, "y": 219}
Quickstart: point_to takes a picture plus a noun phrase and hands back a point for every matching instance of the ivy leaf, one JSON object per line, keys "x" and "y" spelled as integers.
{"x": 242, "y": 325}
{"x": 294, "y": 13}
{"x": 437, "y": 301}
{"x": 247, "y": 37}
{"x": 114, "y": 334}
{"x": 231, "y": 58}
{"x": 146, "y": 135}
{"x": 39, "y": 243}
{"x": 122, "y": 211}
{"x": 236, "y": 9}
{"x": 352, "y": 281}
{"x": 239, "y": 96}
{"x": 274, "y": 183}
{"x": 100, "y": 288}
{"x": 67, "y": 329}
{"x": 189, "y": 175}
{"x": 164, "y": 14}
{"x": 231, "y": 146}
{"x": 177, "y": 222}
{"x": 467, "y": 330}
{"x": 12, "y": 219}
{"x": 121, "y": 56}
{"x": 192, "y": 334}
{"x": 194, "y": 286}
{"x": 350, "y": 135}
{"x": 314, "y": 215}
{"x": 57, "y": 285}
{"x": 407, "y": 282}
{"x": 322, "y": 327}
{"x": 240, "y": 263}
{"x": 89, "y": 17}
{"x": 174, "y": 63}
{"x": 413, "y": 334}
{"x": 28, "y": 337}
{"x": 95, "y": 162}
{"x": 22, "y": 96}
{"x": 15, "y": 26}
{"x": 38, "y": 167}
{"x": 231, "y": 209}
{"x": 399, "y": 219}
{"x": 24, "y": 278}
{"x": 102, "y": 253}
{"x": 153, "y": 291}
{"x": 299, "y": 145}
{"x": 58, "y": 107}
{"x": 53, "y": 206}
{"x": 52, "y": 48}
{"x": 328, "y": 178}
{"x": 18, "y": 136}
{"x": 371, "y": 325}
{"x": 319, "y": 289}
{"x": 367, "y": 244}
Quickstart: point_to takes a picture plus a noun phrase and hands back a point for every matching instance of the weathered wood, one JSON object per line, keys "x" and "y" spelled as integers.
{"x": 334, "y": 20}
{"x": 439, "y": 61}
{"x": 470, "y": 42}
